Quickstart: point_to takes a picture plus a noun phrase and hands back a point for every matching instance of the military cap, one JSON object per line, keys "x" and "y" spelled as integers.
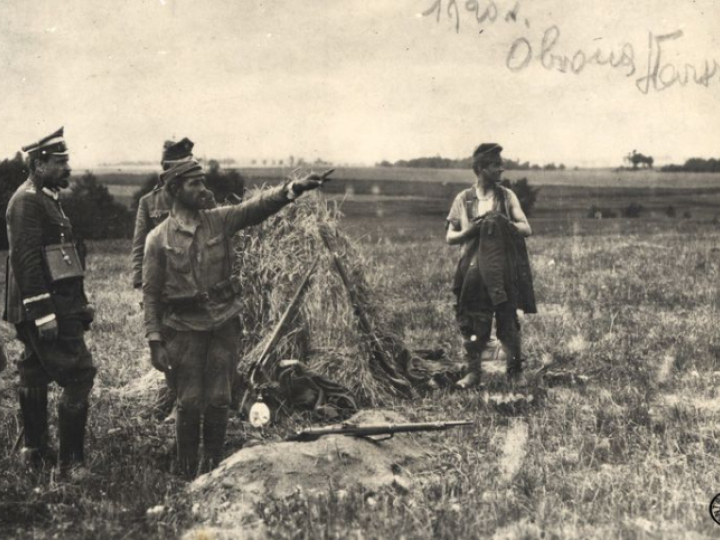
{"x": 53, "y": 144}
{"x": 181, "y": 169}
{"x": 487, "y": 150}
{"x": 176, "y": 151}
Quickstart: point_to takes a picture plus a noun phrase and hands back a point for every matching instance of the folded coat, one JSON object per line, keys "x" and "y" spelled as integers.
{"x": 495, "y": 267}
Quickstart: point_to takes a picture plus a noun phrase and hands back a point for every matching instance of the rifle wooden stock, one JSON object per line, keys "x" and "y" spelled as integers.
{"x": 278, "y": 332}
{"x": 367, "y": 430}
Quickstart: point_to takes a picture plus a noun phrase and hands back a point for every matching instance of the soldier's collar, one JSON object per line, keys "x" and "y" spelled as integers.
{"x": 51, "y": 193}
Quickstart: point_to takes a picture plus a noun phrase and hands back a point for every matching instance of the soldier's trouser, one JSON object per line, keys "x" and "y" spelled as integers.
{"x": 66, "y": 361}
{"x": 166, "y": 397}
{"x": 203, "y": 368}
{"x": 476, "y": 329}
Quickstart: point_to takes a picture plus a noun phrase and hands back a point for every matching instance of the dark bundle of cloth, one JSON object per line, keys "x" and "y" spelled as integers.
{"x": 295, "y": 388}
{"x": 495, "y": 269}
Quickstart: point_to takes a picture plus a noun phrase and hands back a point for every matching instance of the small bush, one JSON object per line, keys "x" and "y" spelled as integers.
{"x": 526, "y": 194}
{"x": 93, "y": 212}
{"x": 686, "y": 214}
{"x": 633, "y": 210}
{"x": 670, "y": 211}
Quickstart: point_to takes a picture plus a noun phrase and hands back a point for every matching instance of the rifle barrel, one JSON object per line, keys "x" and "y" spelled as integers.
{"x": 367, "y": 430}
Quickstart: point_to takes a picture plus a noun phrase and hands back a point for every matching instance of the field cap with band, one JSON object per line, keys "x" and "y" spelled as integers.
{"x": 52, "y": 145}
{"x": 486, "y": 150}
{"x": 181, "y": 170}
{"x": 176, "y": 152}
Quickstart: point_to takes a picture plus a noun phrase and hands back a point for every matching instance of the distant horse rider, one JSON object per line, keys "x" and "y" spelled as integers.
{"x": 493, "y": 275}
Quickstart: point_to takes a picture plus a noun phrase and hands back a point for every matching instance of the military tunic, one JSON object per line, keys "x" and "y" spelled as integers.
{"x": 153, "y": 208}
{"x": 35, "y": 219}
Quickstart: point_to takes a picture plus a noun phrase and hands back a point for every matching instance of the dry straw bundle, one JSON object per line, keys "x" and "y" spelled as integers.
{"x": 339, "y": 331}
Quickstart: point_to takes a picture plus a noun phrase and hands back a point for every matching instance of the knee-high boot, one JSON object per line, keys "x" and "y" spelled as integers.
{"x": 187, "y": 430}
{"x": 72, "y": 420}
{"x": 214, "y": 429}
{"x": 33, "y": 407}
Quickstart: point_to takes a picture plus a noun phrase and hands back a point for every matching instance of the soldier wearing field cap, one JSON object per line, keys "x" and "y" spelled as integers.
{"x": 153, "y": 209}
{"x": 155, "y": 206}
{"x": 493, "y": 275}
{"x": 192, "y": 303}
{"x": 45, "y": 300}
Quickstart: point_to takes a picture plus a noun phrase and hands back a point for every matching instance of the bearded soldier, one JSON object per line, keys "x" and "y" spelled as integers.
{"x": 155, "y": 206}
{"x": 153, "y": 209}
{"x": 194, "y": 336}
{"x": 493, "y": 275}
{"x": 45, "y": 300}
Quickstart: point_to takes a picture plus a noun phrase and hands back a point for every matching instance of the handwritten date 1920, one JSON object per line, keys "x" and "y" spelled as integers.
{"x": 481, "y": 11}
{"x": 658, "y": 74}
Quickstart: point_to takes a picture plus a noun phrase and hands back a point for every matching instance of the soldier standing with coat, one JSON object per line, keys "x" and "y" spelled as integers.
{"x": 192, "y": 303}
{"x": 493, "y": 278}
{"x": 45, "y": 300}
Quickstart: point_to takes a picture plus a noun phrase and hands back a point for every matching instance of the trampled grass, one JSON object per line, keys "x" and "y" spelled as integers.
{"x": 628, "y": 450}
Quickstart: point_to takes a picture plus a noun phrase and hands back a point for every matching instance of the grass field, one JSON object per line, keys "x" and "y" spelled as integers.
{"x": 627, "y": 446}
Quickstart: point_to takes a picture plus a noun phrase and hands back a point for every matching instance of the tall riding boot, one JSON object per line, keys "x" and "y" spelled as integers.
{"x": 214, "y": 429}
{"x": 71, "y": 428}
{"x": 33, "y": 405}
{"x": 187, "y": 430}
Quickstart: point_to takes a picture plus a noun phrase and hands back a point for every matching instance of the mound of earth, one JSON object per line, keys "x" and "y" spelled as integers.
{"x": 226, "y": 497}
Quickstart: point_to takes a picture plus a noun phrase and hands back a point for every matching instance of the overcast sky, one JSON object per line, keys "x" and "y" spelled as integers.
{"x": 359, "y": 81}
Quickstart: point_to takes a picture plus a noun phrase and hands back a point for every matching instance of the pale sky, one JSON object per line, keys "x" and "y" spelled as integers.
{"x": 358, "y": 81}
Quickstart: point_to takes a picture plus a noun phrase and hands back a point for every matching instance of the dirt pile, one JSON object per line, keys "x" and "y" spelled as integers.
{"x": 226, "y": 497}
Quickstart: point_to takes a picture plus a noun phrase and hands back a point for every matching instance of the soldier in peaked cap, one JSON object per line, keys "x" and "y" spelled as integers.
{"x": 192, "y": 304}
{"x": 493, "y": 275}
{"x": 45, "y": 300}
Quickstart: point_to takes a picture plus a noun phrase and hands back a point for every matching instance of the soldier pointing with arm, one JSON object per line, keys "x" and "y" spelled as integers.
{"x": 153, "y": 209}
{"x": 187, "y": 269}
{"x": 45, "y": 300}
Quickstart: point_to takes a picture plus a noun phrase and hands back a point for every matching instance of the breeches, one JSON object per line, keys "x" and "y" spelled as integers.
{"x": 203, "y": 365}
{"x": 66, "y": 360}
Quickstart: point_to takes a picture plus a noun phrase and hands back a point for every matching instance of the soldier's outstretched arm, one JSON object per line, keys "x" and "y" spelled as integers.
{"x": 259, "y": 208}
{"x": 25, "y": 217}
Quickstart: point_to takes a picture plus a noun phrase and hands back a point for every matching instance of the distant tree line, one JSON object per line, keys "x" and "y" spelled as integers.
{"x": 93, "y": 211}
{"x": 695, "y": 165}
{"x": 438, "y": 162}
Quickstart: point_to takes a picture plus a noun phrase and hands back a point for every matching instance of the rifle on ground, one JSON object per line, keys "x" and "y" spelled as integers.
{"x": 369, "y": 430}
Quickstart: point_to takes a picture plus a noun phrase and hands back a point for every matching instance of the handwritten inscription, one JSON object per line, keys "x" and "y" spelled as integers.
{"x": 655, "y": 73}
{"x": 658, "y": 75}
{"x": 480, "y": 11}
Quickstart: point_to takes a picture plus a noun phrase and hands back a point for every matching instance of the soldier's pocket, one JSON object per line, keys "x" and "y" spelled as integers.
{"x": 178, "y": 260}
{"x": 216, "y": 250}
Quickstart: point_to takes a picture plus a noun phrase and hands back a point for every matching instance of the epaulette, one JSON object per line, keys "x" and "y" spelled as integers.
{"x": 30, "y": 189}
